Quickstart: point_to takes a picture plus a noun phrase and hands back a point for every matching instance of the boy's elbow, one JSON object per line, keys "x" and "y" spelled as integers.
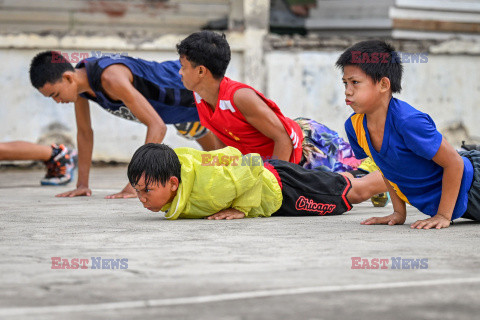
{"x": 161, "y": 128}
{"x": 459, "y": 163}
{"x": 285, "y": 140}
{"x": 455, "y": 164}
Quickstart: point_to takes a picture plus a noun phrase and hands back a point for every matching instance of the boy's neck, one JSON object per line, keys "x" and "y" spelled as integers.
{"x": 209, "y": 90}
{"x": 379, "y": 113}
{"x": 174, "y": 194}
{"x": 82, "y": 81}
{"x": 376, "y": 122}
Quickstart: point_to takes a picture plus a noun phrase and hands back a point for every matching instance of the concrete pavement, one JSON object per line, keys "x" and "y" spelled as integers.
{"x": 264, "y": 268}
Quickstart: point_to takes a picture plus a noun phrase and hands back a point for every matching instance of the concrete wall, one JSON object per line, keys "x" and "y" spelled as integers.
{"x": 306, "y": 84}
{"x": 303, "y": 83}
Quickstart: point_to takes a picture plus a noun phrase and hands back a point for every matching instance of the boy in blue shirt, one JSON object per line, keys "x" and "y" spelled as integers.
{"x": 418, "y": 165}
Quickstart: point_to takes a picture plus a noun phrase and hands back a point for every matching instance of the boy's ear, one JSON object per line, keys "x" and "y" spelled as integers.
{"x": 174, "y": 184}
{"x": 68, "y": 76}
{"x": 202, "y": 71}
{"x": 385, "y": 84}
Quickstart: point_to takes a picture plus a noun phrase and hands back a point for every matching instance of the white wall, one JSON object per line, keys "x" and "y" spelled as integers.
{"x": 307, "y": 84}
{"x": 302, "y": 83}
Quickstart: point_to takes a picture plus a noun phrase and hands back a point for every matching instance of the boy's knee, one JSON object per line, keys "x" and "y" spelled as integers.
{"x": 359, "y": 195}
{"x": 3, "y": 151}
{"x": 361, "y": 190}
{"x": 366, "y": 193}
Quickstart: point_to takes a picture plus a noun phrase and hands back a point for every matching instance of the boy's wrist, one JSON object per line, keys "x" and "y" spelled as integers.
{"x": 241, "y": 210}
{"x": 401, "y": 216}
{"x": 447, "y": 216}
{"x": 402, "y": 213}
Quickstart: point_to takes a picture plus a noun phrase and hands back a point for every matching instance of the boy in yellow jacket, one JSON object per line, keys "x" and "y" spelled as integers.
{"x": 223, "y": 184}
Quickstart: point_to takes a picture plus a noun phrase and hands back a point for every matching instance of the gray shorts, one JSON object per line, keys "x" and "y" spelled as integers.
{"x": 192, "y": 130}
{"x": 473, "y": 206}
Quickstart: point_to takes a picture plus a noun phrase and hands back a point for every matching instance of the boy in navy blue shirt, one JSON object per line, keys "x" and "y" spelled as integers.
{"x": 418, "y": 165}
{"x": 134, "y": 89}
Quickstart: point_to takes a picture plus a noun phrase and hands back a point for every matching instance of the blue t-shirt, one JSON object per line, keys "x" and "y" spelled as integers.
{"x": 410, "y": 141}
{"x": 159, "y": 83}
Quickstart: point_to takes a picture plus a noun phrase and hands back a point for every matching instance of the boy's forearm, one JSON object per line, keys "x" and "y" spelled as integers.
{"x": 451, "y": 181}
{"x": 398, "y": 204}
{"x": 155, "y": 133}
{"x": 282, "y": 149}
{"x": 85, "y": 148}
{"x": 143, "y": 111}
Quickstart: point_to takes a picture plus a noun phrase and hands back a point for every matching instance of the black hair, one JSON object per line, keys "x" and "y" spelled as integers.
{"x": 377, "y": 59}
{"x": 48, "y": 67}
{"x": 208, "y": 49}
{"x": 157, "y": 161}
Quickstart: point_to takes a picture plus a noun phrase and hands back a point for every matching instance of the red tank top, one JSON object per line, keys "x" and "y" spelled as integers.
{"x": 231, "y": 127}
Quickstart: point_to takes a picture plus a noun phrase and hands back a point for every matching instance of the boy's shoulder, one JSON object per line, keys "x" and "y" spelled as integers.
{"x": 402, "y": 108}
{"x": 229, "y": 87}
{"x": 402, "y": 113}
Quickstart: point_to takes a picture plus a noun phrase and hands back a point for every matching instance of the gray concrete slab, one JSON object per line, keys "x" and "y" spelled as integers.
{"x": 265, "y": 268}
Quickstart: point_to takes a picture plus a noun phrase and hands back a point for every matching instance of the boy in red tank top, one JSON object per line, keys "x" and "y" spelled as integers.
{"x": 237, "y": 114}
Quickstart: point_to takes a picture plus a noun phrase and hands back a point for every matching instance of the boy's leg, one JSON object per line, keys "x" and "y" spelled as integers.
{"x": 22, "y": 150}
{"x": 195, "y": 131}
{"x": 324, "y": 149}
{"x": 469, "y": 147}
{"x": 60, "y": 166}
{"x": 349, "y": 175}
{"x": 473, "y": 206}
{"x": 365, "y": 187}
{"x": 207, "y": 142}
{"x": 368, "y": 166}
{"x": 60, "y": 161}
{"x": 310, "y": 192}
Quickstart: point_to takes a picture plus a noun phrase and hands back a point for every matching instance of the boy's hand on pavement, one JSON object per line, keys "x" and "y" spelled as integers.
{"x": 127, "y": 192}
{"x": 80, "y": 191}
{"x": 227, "y": 214}
{"x": 394, "y": 218}
{"x": 438, "y": 222}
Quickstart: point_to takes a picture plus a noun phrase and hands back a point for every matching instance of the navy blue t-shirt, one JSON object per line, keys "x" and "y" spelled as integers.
{"x": 410, "y": 141}
{"x": 159, "y": 83}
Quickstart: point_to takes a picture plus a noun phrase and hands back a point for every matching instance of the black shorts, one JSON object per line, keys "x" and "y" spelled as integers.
{"x": 310, "y": 192}
{"x": 473, "y": 206}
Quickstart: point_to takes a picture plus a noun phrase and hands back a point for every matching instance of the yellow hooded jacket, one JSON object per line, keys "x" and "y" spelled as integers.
{"x": 215, "y": 180}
